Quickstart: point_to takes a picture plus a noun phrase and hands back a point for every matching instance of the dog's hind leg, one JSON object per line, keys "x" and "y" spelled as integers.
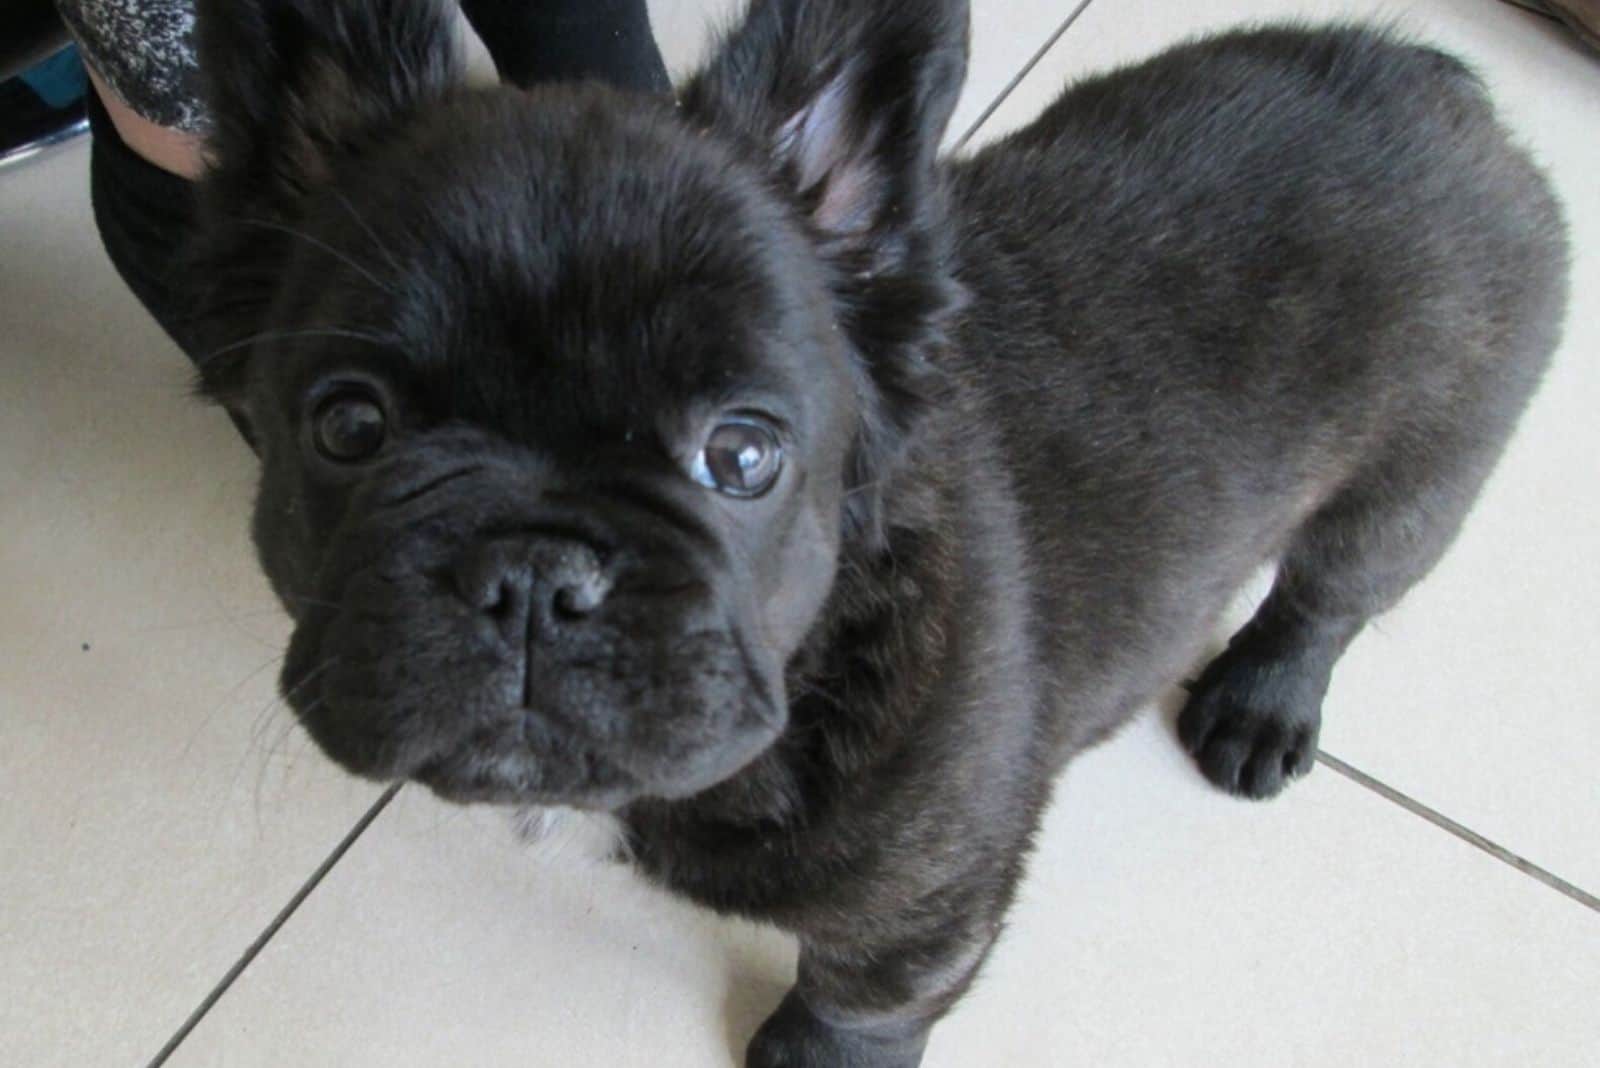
{"x": 1450, "y": 367}
{"x": 1252, "y": 717}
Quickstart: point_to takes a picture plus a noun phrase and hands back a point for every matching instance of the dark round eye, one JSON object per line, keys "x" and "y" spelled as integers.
{"x": 349, "y": 426}
{"x": 741, "y": 458}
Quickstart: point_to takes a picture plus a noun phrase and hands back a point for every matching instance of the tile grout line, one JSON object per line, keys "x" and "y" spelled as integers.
{"x": 1471, "y": 837}
{"x": 994, "y": 105}
{"x": 272, "y": 928}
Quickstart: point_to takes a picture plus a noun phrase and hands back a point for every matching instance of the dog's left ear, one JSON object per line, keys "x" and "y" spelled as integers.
{"x": 849, "y": 100}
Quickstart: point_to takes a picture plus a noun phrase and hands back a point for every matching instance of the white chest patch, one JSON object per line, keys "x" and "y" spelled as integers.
{"x": 572, "y": 834}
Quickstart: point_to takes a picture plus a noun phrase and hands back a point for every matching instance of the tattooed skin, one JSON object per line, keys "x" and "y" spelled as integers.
{"x": 144, "y": 50}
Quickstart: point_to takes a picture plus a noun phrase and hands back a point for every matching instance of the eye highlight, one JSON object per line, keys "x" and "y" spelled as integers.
{"x": 741, "y": 458}
{"x": 349, "y": 425}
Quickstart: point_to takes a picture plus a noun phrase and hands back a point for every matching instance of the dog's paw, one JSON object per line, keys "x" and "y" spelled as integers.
{"x": 1251, "y": 723}
{"x": 793, "y": 1037}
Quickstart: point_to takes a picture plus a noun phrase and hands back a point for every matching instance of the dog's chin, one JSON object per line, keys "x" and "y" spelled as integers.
{"x": 524, "y": 761}
{"x": 507, "y": 767}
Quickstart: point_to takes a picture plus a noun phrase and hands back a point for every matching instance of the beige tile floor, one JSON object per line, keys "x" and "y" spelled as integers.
{"x": 159, "y": 809}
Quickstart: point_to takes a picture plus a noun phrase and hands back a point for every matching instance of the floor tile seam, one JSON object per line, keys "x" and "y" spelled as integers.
{"x": 1021, "y": 76}
{"x": 271, "y": 930}
{"x": 1460, "y": 830}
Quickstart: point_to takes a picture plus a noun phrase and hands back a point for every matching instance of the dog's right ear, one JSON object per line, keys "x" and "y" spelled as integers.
{"x": 292, "y": 87}
{"x": 293, "y": 84}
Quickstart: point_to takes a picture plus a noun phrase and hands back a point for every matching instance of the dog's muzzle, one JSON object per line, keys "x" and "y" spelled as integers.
{"x": 519, "y": 660}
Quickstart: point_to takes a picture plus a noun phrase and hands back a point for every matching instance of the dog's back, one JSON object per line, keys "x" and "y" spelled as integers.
{"x": 1214, "y": 290}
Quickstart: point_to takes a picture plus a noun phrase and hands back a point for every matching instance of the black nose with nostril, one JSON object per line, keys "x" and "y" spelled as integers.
{"x": 526, "y": 583}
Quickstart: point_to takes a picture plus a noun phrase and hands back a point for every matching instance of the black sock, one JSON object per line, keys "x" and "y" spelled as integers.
{"x": 146, "y": 216}
{"x": 534, "y": 41}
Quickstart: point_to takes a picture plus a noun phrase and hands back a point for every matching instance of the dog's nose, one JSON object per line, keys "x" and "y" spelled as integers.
{"x": 527, "y": 583}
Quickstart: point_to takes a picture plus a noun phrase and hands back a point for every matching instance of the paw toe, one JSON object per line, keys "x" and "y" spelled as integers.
{"x": 1245, "y": 745}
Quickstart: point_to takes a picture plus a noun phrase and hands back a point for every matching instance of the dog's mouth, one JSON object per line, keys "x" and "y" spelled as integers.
{"x": 529, "y": 760}
{"x": 492, "y": 771}
{"x": 654, "y": 696}
{"x": 549, "y": 753}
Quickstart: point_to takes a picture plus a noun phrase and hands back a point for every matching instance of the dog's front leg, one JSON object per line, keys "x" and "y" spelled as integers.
{"x": 870, "y": 1005}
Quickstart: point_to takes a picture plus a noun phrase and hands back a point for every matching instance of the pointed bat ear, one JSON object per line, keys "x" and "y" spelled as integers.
{"x": 292, "y": 84}
{"x": 846, "y": 102}
{"x": 850, "y": 98}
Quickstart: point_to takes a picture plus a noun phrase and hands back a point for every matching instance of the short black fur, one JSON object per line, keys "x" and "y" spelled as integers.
{"x": 1275, "y": 295}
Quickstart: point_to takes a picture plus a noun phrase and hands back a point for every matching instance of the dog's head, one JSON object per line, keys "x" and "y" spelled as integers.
{"x": 567, "y": 399}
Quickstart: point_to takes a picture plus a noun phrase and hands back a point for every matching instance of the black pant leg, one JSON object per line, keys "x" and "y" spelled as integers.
{"x": 533, "y": 41}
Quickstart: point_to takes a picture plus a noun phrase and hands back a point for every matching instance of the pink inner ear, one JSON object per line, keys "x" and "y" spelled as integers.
{"x": 827, "y": 153}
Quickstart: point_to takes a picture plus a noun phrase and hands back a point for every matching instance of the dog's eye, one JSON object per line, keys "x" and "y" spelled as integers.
{"x": 349, "y": 426}
{"x": 741, "y": 458}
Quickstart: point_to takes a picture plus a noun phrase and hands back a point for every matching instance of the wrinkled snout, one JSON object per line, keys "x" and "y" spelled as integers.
{"x": 497, "y": 648}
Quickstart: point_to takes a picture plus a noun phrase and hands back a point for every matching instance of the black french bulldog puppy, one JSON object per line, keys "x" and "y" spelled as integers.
{"x": 743, "y": 469}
